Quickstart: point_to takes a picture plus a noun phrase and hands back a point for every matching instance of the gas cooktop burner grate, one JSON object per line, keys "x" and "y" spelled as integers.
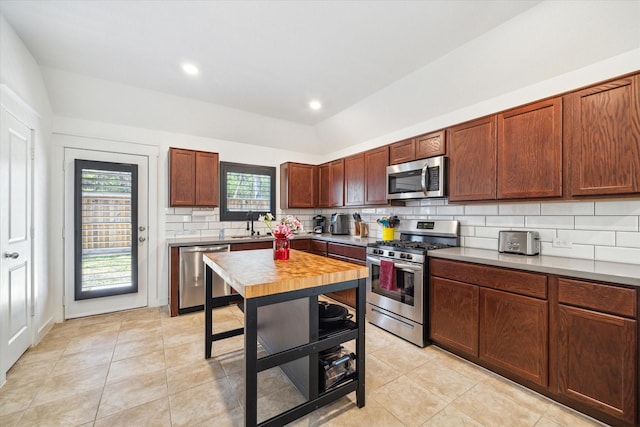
{"x": 405, "y": 244}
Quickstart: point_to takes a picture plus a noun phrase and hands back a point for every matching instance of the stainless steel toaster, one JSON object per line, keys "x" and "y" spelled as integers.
{"x": 519, "y": 242}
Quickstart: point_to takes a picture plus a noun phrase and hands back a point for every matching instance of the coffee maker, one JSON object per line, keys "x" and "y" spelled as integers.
{"x": 319, "y": 224}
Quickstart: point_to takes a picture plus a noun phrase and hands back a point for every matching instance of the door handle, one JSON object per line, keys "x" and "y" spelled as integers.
{"x": 142, "y": 228}
{"x": 142, "y": 238}
{"x": 12, "y": 255}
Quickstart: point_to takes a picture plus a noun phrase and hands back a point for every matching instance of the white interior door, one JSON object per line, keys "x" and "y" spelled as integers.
{"x": 15, "y": 239}
{"x": 106, "y": 222}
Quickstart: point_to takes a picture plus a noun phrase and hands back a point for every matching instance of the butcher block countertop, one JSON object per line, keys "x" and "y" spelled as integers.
{"x": 255, "y": 273}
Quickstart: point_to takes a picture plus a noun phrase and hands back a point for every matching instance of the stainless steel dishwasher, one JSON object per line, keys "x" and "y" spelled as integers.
{"x": 191, "y": 288}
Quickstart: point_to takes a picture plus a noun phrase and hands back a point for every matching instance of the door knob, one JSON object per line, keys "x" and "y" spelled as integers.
{"x": 12, "y": 255}
{"x": 142, "y": 228}
{"x": 142, "y": 238}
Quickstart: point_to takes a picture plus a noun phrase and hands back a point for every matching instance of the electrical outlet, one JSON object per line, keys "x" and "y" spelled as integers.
{"x": 559, "y": 243}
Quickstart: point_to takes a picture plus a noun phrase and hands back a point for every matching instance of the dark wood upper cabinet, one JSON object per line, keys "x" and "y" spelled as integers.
{"x": 529, "y": 163}
{"x": 602, "y": 138}
{"x": 375, "y": 164}
{"x": 298, "y": 185}
{"x": 324, "y": 185}
{"x": 354, "y": 180}
{"x": 420, "y": 147}
{"x": 402, "y": 151}
{"x": 193, "y": 178}
{"x": 430, "y": 145}
{"x": 331, "y": 184}
{"x": 472, "y": 160}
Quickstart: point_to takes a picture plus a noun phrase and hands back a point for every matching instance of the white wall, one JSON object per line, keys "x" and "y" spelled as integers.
{"x": 21, "y": 74}
{"x": 547, "y": 49}
{"x": 205, "y": 222}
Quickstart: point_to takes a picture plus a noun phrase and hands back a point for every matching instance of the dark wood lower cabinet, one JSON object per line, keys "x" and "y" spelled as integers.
{"x": 454, "y": 315}
{"x": 597, "y": 363}
{"x": 573, "y": 340}
{"x": 514, "y": 334}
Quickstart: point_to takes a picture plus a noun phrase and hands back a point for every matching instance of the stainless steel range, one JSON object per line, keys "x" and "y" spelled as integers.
{"x": 398, "y": 282}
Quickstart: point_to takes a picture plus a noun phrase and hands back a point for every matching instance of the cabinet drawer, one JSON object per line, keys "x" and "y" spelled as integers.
{"x": 609, "y": 299}
{"x": 520, "y": 282}
{"x": 347, "y": 251}
{"x": 300, "y": 244}
{"x": 318, "y": 247}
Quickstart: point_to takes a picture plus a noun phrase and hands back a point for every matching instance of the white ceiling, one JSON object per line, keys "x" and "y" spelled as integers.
{"x": 264, "y": 57}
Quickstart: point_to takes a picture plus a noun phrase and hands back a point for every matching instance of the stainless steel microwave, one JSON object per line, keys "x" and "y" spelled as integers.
{"x": 417, "y": 180}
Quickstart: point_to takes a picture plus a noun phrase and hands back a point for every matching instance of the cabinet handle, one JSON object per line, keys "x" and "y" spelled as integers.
{"x": 12, "y": 255}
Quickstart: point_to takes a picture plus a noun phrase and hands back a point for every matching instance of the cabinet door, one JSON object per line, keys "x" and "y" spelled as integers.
{"x": 472, "y": 160}
{"x": 454, "y": 315}
{"x": 602, "y": 134}
{"x": 514, "y": 334}
{"x": 182, "y": 176}
{"x": 597, "y": 361}
{"x": 206, "y": 179}
{"x": 402, "y": 151}
{"x": 431, "y": 144}
{"x": 530, "y": 151}
{"x": 324, "y": 185}
{"x": 301, "y": 183}
{"x": 354, "y": 180}
{"x": 376, "y": 162}
{"x": 337, "y": 183}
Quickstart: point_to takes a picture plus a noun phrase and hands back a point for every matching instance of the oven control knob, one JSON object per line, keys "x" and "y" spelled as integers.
{"x": 402, "y": 255}
{"x": 392, "y": 253}
{"x": 409, "y": 256}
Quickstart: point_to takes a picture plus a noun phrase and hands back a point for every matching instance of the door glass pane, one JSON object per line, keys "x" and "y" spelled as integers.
{"x": 105, "y": 229}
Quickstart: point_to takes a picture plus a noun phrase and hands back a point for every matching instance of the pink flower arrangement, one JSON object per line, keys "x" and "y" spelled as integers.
{"x": 285, "y": 227}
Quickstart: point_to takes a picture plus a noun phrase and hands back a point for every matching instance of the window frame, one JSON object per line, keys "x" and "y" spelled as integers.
{"x": 226, "y": 167}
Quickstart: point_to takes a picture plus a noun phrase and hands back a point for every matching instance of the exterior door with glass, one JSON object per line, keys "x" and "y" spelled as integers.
{"x": 106, "y": 217}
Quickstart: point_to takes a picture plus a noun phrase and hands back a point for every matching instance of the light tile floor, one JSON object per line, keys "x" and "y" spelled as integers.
{"x": 143, "y": 367}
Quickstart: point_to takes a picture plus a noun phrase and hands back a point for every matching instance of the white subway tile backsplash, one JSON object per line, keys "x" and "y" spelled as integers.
{"x": 614, "y": 254}
{"x": 481, "y": 243}
{"x": 182, "y": 211}
{"x": 519, "y": 209}
{"x": 505, "y": 221}
{"x": 425, "y": 210}
{"x": 450, "y": 210}
{"x": 614, "y": 223}
{"x": 618, "y": 207}
{"x": 576, "y": 251}
{"x": 481, "y": 210}
{"x": 174, "y": 226}
{"x": 178, "y": 218}
{"x": 491, "y": 232}
{"x": 601, "y": 238}
{"x": 628, "y": 239}
{"x": 432, "y": 202}
{"x": 567, "y": 208}
{"x": 195, "y": 226}
{"x": 471, "y": 220}
{"x": 467, "y": 231}
{"x": 549, "y": 222}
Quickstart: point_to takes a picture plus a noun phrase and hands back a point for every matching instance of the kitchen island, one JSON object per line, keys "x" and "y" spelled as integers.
{"x": 290, "y": 288}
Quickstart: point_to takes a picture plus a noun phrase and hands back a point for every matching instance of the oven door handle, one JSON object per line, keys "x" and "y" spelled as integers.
{"x": 398, "y": 265}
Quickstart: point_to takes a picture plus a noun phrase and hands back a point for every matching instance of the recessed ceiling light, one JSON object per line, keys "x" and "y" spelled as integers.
{"x": 315, "y": 105}
{"x": 190, "y": 69}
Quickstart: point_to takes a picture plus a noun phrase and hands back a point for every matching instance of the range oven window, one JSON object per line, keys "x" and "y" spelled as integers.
{"x": 404, "y": 285}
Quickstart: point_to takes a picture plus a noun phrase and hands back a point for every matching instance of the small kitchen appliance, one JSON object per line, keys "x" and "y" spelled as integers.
{"x": 519, "y": 242}
{"x": 339, "y": 223}
{"x": 398, "y": 281}
{"x": 319, "y": 224}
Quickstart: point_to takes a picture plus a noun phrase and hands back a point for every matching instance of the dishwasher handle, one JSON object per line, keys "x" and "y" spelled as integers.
{"x": 217, "y": 248}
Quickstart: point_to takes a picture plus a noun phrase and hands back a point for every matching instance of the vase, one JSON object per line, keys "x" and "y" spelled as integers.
{"x": 280, "y": 247}
{"x": 388, "y": 233}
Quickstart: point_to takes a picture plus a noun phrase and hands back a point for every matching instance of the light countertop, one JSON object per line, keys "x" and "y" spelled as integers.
{"x": 626, "y": 274}
{"x": 198, "y": 241}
